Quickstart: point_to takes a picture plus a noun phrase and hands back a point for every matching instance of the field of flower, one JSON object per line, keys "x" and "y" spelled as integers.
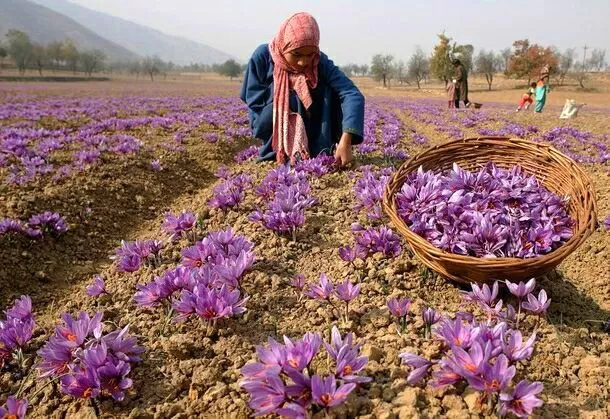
{"x": 172, "y": 276}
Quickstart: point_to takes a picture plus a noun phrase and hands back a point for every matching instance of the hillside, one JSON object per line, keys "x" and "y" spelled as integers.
{"x": 45, "y": 25}
{"x": 135, "y": 37}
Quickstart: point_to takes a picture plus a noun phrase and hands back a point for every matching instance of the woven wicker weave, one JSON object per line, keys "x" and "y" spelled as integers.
{"x": 557, "y": 172}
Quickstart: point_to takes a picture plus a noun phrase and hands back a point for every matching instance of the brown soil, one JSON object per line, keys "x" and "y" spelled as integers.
{"x": 187, "y": 374}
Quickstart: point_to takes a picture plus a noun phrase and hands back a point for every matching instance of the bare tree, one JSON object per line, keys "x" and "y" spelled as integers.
{"x": 152, "y": 65}
{"x": 505, "y": 54}
{"x": 566, "y": 62}
{"x": 399, "y": 72}
{"x": 488, "y": 63}
{"x": 597, "y": 61}
{"x": 418, "y": 66}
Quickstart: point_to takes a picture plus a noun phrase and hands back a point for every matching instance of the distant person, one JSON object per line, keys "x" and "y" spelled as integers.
{"x": 542, "y": 90}
{"x": 526, "y": 99}
{"x": 300, "y": 104}
{"x": 450, "y": 95}
{"x": 460, "y": 80}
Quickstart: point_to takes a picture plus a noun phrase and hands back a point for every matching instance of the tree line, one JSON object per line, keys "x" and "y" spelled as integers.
{"x": 64, "y": 55}
{"x": 523, "y": 61}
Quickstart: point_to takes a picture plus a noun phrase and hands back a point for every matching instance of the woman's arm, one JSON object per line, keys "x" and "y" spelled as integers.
{"x": 352, "y": 100}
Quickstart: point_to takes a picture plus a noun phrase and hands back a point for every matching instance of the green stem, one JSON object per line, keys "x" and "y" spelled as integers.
{"x": 168, "y": 316}
{"x": 22, "y": 385}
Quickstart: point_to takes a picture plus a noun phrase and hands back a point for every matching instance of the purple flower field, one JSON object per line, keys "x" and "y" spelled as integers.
{"x": 151, "y": 268}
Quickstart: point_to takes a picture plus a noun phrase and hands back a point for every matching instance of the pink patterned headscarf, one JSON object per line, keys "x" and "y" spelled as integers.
{"x": 289, "y": 136}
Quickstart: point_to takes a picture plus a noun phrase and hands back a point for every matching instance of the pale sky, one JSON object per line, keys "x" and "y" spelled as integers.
{"x": 355, "y": 30}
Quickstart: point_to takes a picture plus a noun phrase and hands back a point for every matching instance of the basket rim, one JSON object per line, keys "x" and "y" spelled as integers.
{"x": 579, "y": 236}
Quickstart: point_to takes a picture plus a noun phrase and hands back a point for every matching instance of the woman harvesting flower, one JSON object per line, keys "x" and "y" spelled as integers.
{"x": 300, "y": 103}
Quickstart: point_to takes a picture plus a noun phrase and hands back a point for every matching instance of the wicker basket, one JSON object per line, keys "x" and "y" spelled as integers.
{"x": 557, "y": 172}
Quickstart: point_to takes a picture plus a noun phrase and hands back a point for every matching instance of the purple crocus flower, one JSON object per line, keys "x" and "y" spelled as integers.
{"x": 399, "y": 307}
{"x": 113, "y": 379}
{"x": 514, "y": 347}
{"x": 430, "y": 316}
{"x": 421, "y": 367}
{"x": 522, "y": 401}
{"x": 337, "y": 342}
{"x": 470, "y": 363}
{"x": 266, "y": 395}
{"x": 21, "y": 309}
{"x": 495, "y": 378}
{"x": 349, "y": 364}
{"x": 292, "y": 411}
{"x": 155, "y": 165}
{"x": 521, "y": 290}
{"x": 483, "y": 295}
{"x": 325, "y": 392}
{"x": 537, "y": 305}
{"x": 445, "y": 376}
{"x": 14, "y": 409}
{"x": 97, "y": 287}
{"x": 607, "y": 223}
{"x": 298, "y": 281}
{"x": 81, "y": 383}
{"x": 347, "y": 291}
{"x": 321, "y": 291}
{"x": 456, "y": 333}
{"x": 300, "y": 353}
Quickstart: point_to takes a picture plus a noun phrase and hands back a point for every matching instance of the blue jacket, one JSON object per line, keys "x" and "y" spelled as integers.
{"x": 338, "y": 105}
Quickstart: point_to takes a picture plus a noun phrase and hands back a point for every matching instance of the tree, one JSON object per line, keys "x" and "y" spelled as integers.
{"x": 528, "y": 59}
{"x": 565, "y": 63}
{"x": 39, "y": 57}
{"x": 91, "y": 61}
{"x": 440, "y": 65}
{"x": 230, "y": 68}
{"x": 399, "y": 72}
{"x": 3, "y": 55}
{"x": 597, "y": 61}
{"x": 55, "y": 53}
{"x": 505, "y": 54}
{"x": 135, "y": 68}
{"x": 70, "y": 54}
{"x": 488, "y": 63}
{"x": 363, "y": 69}
{"x": 381, "y": 67}
{"x": 152, "y": 65}
{"x": 19, "y": 48}
{"x": 418, "y": 66}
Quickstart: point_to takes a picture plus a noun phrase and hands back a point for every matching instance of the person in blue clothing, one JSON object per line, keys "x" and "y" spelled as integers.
{"x": 300, "y": 104}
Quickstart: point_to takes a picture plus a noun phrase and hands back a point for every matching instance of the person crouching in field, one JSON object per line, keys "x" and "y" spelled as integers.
{"x": 450, "y": 95}
{"x": 300, "y": 104}
{"x": 526, "y": 99}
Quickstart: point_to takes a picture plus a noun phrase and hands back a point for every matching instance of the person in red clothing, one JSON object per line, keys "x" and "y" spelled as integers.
{"x": 526, "y": 99}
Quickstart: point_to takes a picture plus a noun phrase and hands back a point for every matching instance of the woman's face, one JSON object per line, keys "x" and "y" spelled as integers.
{"x": 301, "y": 58}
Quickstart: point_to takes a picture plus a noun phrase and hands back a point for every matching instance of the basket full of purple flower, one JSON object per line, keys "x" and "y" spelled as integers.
{"x": 479, "y": 209}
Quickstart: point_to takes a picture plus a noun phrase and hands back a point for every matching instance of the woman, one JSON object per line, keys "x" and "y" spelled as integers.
{"x": 300, "y": 104}
{"x": 460, "y": 80}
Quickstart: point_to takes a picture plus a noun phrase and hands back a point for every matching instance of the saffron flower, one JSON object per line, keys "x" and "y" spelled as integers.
{"x": 537, "y": 305}
{"x": 521, "y": 290}
{"x": 321, "y": 291}
{"x": 325, "y": 392}
{"x": 97, "y": 287}
{"x": 14, "y": 408}
{"x": 522, "y": 401}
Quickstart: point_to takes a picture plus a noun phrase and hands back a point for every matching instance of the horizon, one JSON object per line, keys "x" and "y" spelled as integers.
{"x": 238, "y": 35}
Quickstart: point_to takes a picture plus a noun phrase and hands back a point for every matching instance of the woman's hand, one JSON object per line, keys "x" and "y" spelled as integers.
{"x": 343, "y": 153}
